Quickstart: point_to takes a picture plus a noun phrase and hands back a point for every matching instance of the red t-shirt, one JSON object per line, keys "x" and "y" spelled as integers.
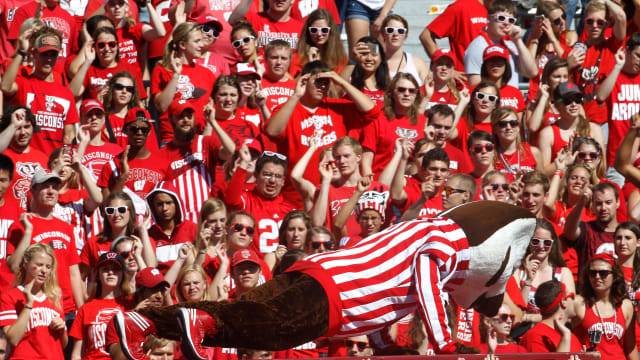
{"x": 300, "y": 9}
{"x": 521, "y": 159}
{"x": 142, "y": 172}
{"x": 10, "y": 212}
{"x": 543, "y": 339}
{"x": 8, "y": 10}
{"x": 380, "y": 137}
{"x": 26, "y": 164}
{"x": 168, "y": 247}
{"x": 511, "y": 97}
{"x": 95, "y": 157}
{"x": 278, "y": 92}
{"x": 156, "y": 47}
{"x": 130, "y": 46}
{"x": 70, "y": 209}
{"x": 92, "y": 250}
{"x": 37, "y": 341}
{"x": 458, "y": 161}
{"x": 90, "y": 326}
{"x": 52, "y": 104}
{"x": 623, "y": 102}
{"x": 195, "y": 82}
{"x": 376, "y": 96}
{"x": 245, "y": 125}
{"x": 121, "y": 138}
{"x": 215, "y": 63}
{"x": 461, "y": 22}
{"x": 97, "y": 77}
{"x": 59, "y": 235}
{"x": 442, "y": 97}
{"x": 268, "y": 30}
{"x": 431, "y": 207}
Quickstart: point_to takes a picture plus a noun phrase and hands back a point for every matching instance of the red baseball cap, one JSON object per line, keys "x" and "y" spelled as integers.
{"x": 208, "y": 19}
{"x": 46, "y": 42}
{"x": 149, "y": 278}
{"x": 245, "y": 255}
{"x": 177, "y": 106}
{"x": 495, "y": 51}
{"x": 440, "y": 53}
{"x": 253, "y": 144}
{"x": 136, "y": 114}
{"x": 245, "y": 69}
{"x": 90, "y": 104}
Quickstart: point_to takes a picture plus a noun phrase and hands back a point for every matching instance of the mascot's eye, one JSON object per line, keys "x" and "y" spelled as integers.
{"x": 494, "y": 279}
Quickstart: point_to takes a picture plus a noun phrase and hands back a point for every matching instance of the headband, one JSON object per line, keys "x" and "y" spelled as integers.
{"x": 556, "y": 301}
{"x": 604, "y": 257}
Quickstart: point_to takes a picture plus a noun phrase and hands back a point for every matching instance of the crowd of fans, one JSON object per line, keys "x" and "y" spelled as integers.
{"x": 261, "y": 139}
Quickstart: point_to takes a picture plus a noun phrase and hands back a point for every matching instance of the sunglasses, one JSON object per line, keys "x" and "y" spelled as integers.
{"x": 245, "y": 40}
{"x": 110, "y": 210}
{"x": 479, "y": 148}
{"x": 210, "y": 30}
{"x": 327, "y": 244}
{"x": 102, "y": 44}
{"x": 134, "y": 129}
{"x": 505, "y": 317}
{"x": 598, "y": 22}
{"x": 403, "y": 90}
{"x": 591, "y": 155}
{"x": 315, "y": 30}
{"x": 121, "y": 87}
{"x": 574, "y": 99}
{"x": 504, "y": 18}
{"x": 557, "y": 21}
{"x": 545, "y": 242}
{"x": 361, "y": 344}
{"x": 124, "y": 254}
{"x": 492, "y": 98}
{"x": 602, "y": 273}
{"x": 390, "y": 30}
{"x": 274, "y": 154}
{"x": 504, "y": 187}
{"x": 238, "y": 227}
{"x": 503, "y": 123}
{"x": 449, "y": 190}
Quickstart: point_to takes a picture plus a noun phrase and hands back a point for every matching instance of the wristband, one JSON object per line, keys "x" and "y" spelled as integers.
{"x": 203, "y": 252}
{"x": 21, "y": 53}
{"x": 559, "y": 173}
{"x": 27, "y": 307}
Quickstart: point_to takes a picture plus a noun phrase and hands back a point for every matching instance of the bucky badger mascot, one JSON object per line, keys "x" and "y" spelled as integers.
{"x": 467, "y": 253}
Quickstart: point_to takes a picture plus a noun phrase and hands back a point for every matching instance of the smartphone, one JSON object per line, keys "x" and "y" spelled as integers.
{"x": 67, "y": 150}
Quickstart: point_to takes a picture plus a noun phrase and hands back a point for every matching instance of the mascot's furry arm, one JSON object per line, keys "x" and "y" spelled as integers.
{"x": 469, "y": 253}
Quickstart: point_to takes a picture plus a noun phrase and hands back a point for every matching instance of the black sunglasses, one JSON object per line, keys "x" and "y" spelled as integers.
{"x": 327, "y": 244}
{"x": 102, "y": 44}
{"x": 478, "y": 148}
{"x": 121, "y": 87}
{"x": 503, "y": 123}
{"x": 557, "y": 21}
{"x": 449, "y": 190}
{"x": 545, "y": 242}
{"x": 569, "y": 100}
{"x": 403, "y": 90}
{"x": 599, "y": 22}
{"x": 602, "y": 273}
{"x": 360, "y": 344}
{"x": 134, "y": 129}
{"x": 504, "y": 187}
{"x": 238, "y": 227}
{"x": 124, "y": 254}
{"x": 592, "y": 155}
{"x": 110, "y": 210}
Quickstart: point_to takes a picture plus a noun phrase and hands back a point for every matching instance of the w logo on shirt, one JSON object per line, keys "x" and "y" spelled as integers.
{"x": 408, "y": 134}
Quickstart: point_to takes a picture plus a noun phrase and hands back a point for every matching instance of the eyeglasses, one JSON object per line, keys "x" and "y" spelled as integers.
{"x": 110, "y": 210}
{"x": 327, "y": 244}
{"x": 238, "y": 227}
{"x": 504, "y": 187}
{"x": 121, "y": 87}
{"x": 503, "y": 123}
{"x": 504, "y": 18}
{"x": 361, "y": 344}
{"x": 505, "y": 317}
{"x": 479, "y": 148}
{"x": 315, "y": 30}
{"x": 131, "y": 129}
{"x": 390, "y": 30}
{"x": 598, "y": 22}
{"x": 491, "y": 98}
{"x": 569, "y": 100}
{"x": 124, "y": 254}
{"x": 102, "y": 44}
{"x": 403, "y": 90}
{"x": 545, "y": 242}
{"x": 449, "y": 190}
{"x": 602, "y": 273}
{"x": 245, "y": 40}
{"x": 591, "y": 155}
{"x": 274, "y": 154}
{"x": 557, "y": 21}
{"x": 210, "y": 30}
{"x": 269, "y": 175}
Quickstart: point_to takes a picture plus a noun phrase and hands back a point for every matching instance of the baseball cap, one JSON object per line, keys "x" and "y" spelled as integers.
{"x": 208, "y": 19}
{"x": 46, "y": 42}
{"x": 440, "y": 53}
{"x": 177, "y": 106}
{"x": 495, "y": 51}
{"x": 566, "y": 89}
{"x": 113, "y": 257}
{"x": 44, "y": 175}
{"x": 245, "y": 69}
{"x": 244, "y": 255}
{"x": 253, "y": 144}
{"x": 149, "y": 278}
{"x": 90, "y": 104}
{"x": 132, "y": 116}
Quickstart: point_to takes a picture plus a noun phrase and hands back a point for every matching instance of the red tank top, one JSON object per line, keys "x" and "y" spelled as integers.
{"x": 558, "y": 142}
{"x": 518, "y": 160}
{"x": 612, "y": 328}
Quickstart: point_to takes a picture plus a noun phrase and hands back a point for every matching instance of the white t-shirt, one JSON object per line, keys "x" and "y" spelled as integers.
{"x": 473, "y": 57}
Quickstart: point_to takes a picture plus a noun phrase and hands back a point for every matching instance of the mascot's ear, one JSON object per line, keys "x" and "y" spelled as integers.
{"x": 488, "y": 306}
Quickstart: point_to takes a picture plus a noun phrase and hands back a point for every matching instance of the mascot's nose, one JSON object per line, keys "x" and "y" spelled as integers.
{"x": 488, "y": 306}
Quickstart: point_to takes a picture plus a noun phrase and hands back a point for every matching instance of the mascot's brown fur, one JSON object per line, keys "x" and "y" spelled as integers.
{"x": 294, "y": 308}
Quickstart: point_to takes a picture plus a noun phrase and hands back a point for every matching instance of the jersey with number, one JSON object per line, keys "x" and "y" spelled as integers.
{"x": 10, "y": 212}
{"x": 90, "y": 326}
{"x": 268, "y": 213}
{"x": 192, "y": 170}
{"x": 26, "y": 164}
{"x": 37, "y": 342}
{"x": 59, "y": 235}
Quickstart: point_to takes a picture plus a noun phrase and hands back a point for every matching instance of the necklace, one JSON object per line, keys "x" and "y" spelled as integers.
{"x": 404, "y": 56}
{"x": 609, "y": 336}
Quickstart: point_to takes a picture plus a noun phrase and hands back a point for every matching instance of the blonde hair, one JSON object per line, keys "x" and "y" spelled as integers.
{"x": 153, "y": 342}
{"x": 187, "y": 270}
{"x": 209, "y": 207}
{"x": 50, "y": 286}
{"x": 180, "y": 33}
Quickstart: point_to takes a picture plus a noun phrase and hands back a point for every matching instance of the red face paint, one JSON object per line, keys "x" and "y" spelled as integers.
{"x": 35, "y": 268}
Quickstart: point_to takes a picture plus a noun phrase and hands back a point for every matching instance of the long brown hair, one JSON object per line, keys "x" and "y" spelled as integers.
{"x": 107, "y": 232}
{"x": 108, "y": 96}
{"x": 332, "y": 52}
{"x": 635, "y": 229}
{"x": 390, "y": 102}
{"x": 618, "y": 290}
{"x": 470, "y": 112}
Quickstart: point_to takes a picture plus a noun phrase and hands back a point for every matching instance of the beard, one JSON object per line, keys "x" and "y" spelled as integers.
{"x": 184, "y": 136}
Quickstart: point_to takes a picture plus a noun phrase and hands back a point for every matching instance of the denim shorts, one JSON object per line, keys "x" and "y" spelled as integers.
{"x": 357, "y": 10}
